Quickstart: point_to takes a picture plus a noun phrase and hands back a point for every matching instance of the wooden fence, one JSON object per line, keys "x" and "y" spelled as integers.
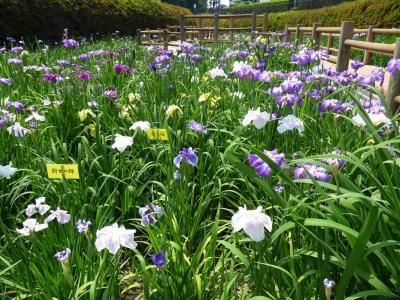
{"x": 345, "y": 34}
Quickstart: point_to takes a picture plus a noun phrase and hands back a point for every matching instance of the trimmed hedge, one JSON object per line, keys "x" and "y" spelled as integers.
{"x": 46, "y": 19}
{"x": 381, "y": 13}
{"x": 268, "y": 7}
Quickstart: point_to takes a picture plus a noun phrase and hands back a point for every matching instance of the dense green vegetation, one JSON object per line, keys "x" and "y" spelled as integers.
{"x": 47, "y": 19}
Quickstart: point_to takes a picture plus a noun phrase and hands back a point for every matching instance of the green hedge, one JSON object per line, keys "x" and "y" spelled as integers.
{"x": 381, "y": 13}
{"x": 268, "y": 7}
{"x": 46, "y": 19}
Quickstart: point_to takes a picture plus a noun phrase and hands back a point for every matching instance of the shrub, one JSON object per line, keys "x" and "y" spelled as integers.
{"x": 46, "y": 19}
{"x": 367, "y": 12}
{"x": 363, "y": 12}
{"x": 275, "y": 6}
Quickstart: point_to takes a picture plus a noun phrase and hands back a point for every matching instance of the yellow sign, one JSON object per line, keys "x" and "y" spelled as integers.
{"x": 55, "y": 171}
{"x": 157, "y": 134}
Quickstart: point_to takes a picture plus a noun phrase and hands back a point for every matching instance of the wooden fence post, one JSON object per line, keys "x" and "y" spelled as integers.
{"x": 165, "y": 38}
{"x": 316, "y": 35}
{"x": 148, "y": 37}
{"x": 200, "y": 31}
{"x": 253, "y": 25}
{"x": 370, "y": 38}
{"x": 330, "y": 42}
{"x": 265, "y": 22}
{"x": 231, "y": 28}
{"x": 138, "y": 36}
{"x": 297, "y": 33}
{"x": 182, "y": 27}
{"x": 216, "y": 27}
{"x": 393, "y": 93}
{"x": 287, "y": 34}
{"x": 343, "y": 58}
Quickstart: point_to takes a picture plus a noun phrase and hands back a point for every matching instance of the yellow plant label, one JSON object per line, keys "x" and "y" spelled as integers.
{"x": 56, "y": 171}
{"x": 157, "y": 134}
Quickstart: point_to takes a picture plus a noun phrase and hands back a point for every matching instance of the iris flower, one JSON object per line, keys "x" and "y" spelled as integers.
{"x": 122, "y": 142}
{"x": 187, "y": 154}
{"x": 7, "y": 171}
{"x": 252, "y": 222}
{"x": 114, "y": 237}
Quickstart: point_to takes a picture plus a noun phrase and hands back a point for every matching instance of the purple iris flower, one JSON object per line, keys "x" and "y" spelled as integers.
{"x": 150, "y": 213}
{"x": 330, "y": 104}
{"x": 10, "y": 39}
{"x": 84, "y": 57}
{"x": 83, "y": 226}
{"x": 393, "y": 66}
{"x": 33, "y": 125}
{"x": 195, "y": 57}
{"x": 302, "y": 59}
{"x": 315, "y": 171}
{"x": 316, "y": 94}
{"x": 390, "y": 149}
{"x": 15, "y": 50}
{"x": 356, "y": 64}
{"x": 187, "y": 48}
{"x": 63, "y": 62}
{"x": 288, "y": 99}
{"x": 158, "y": 259}
{"x": 122, "y": 68}
{"x": 292, "y": 86}
{"x": 62, "y": 256}
{"x": 187, "y": 154}
{"x": 5, "y": 81}
{"x": 334, "y": 162}
{"x": 261, "y": 167}
{"x": 50, "y": 78}
{"x": 177, "y": 175}
{"x": 14, "y": 61}
{"x": 86, "y": 75}
{"x": 18, "y": 106}
{"x": 279, "y": 188}
{"x": 111, "y": 93}
{"x": 193, "y": 125}
{"x": 70, "y": 43}
{"x": 3, "y": 122}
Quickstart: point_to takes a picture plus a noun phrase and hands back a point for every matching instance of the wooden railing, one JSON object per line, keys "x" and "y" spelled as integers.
{"x": 344, "y": 33}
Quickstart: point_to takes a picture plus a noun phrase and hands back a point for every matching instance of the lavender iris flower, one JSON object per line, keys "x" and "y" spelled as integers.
{"x": 83, "y": 226}
{"x": 187, "y": 154}
{"x": 15, "y": 50}
{"x": 150, "y": 213}
{"x": 356, "y": 64}
{"x": 50, "y": 78}
{"x": 334, "y": 162}
{"x": 14, "y": 61}
{"x": 287, "y": 99}
{"x": 70, "y": 43}
{"x": 330, "y": 104}
{"x": 393, "y": 66}
{"x": 122, "y": 68}
{"x": 177, "y": 175}
{"x": 111, "y": 93}
{"x": 62, "y": 256}
{"x": 261, "y": 167}
{"x": 193, "y": 125}
{"x": 158, "y": 259}
{"x": 315, "y": 171}
{"x": 5, "y": 81}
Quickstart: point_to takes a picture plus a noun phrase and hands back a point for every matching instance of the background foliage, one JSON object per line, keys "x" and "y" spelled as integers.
{"x": 48, "y": 18}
